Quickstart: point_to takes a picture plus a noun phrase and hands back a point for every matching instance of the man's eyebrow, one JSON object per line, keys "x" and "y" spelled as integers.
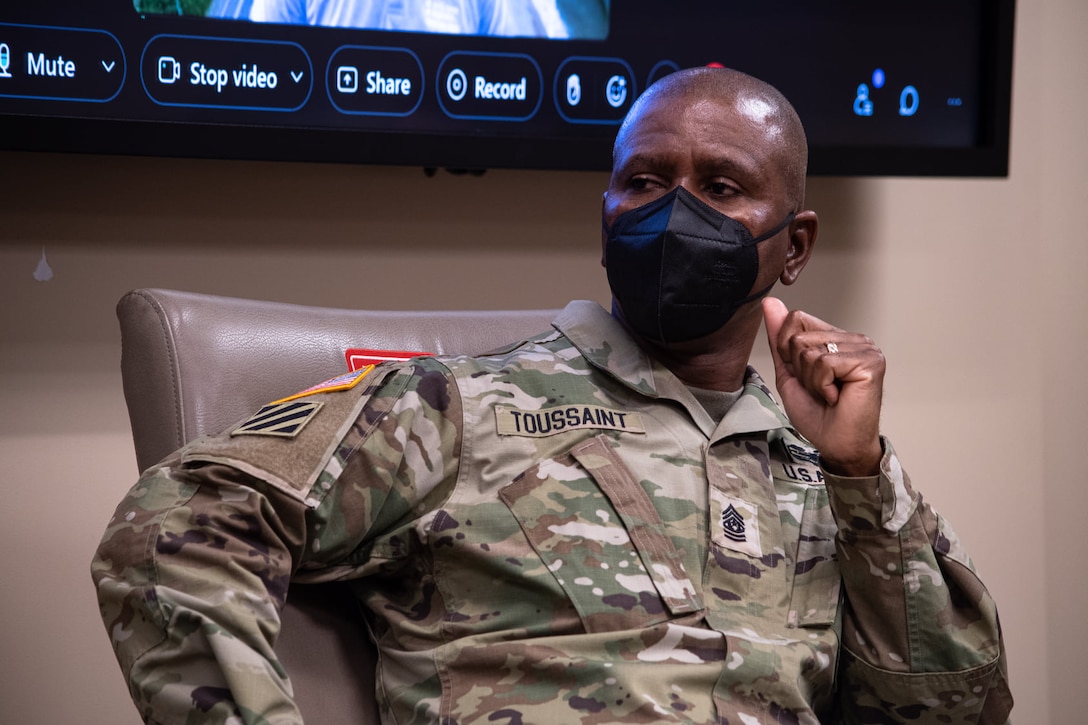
{"x": 645, "y": 159}
{"x": 729, "y": 165}
{"x": 707, "y": 164}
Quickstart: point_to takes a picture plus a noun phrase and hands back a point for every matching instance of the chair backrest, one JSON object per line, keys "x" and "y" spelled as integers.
{"x": 193, "y": 364}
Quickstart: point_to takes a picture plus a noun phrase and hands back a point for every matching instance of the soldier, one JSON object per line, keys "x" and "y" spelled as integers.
{"x": 612, "y": 521}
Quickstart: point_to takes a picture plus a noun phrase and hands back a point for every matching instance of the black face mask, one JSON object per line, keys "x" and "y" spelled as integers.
{"x": 680, "y": 269}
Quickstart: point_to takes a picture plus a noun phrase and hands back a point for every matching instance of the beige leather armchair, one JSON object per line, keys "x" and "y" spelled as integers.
{"x": 193, "y": 364}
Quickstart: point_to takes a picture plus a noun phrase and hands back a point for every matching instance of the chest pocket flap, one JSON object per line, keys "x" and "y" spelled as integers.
{"x": 817, "y": 582}
{"x": 598, "y": 532}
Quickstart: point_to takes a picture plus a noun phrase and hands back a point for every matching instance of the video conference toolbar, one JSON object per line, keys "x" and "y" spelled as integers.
{"x": 89, "y": 65}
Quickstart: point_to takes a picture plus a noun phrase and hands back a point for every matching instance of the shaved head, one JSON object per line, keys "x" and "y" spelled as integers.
{"x": 758, "y": 102}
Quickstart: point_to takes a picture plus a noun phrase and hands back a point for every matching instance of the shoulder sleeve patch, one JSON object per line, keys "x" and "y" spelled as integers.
{"x": 283, "y": 420}
{"x": 288, "y": 442}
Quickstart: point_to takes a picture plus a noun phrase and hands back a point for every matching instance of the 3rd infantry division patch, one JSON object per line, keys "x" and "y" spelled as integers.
{"x": 284, "y": 420}
{"x": 286, "y": 417}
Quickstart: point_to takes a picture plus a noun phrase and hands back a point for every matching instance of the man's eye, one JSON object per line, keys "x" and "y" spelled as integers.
{"x": 719, "y": 188}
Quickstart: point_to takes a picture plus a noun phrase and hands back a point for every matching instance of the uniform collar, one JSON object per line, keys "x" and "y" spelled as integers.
{"x": 606, "y": 345}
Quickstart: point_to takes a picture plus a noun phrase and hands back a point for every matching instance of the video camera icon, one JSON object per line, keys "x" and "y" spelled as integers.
{"x": 169, "y": 69}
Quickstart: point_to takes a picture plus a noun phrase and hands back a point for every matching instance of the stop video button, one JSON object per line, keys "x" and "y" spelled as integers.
{"x": 216, "y": 72}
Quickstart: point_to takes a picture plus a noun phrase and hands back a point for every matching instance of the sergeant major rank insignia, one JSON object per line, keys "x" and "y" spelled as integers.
{"x": 733, "y": 524}
{"x": 738, "y": 523}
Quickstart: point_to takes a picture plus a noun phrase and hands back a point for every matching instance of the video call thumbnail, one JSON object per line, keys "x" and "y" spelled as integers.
{"x": 553, "y": 19}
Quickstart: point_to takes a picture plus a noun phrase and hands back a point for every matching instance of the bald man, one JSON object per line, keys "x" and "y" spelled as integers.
{"x": 611, "y": 522}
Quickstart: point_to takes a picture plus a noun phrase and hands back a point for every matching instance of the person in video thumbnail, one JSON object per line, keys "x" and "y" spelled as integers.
{"x": 519, "y": 18}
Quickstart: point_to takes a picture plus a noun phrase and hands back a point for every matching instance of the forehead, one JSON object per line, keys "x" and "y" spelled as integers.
{"x": 743, "y": 131}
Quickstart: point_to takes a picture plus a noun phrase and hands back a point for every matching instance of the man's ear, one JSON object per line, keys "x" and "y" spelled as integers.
{"x": 803, "y": 230}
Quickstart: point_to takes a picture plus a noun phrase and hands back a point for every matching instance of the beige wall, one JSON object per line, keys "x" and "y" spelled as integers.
{"x": 973, "y": 287}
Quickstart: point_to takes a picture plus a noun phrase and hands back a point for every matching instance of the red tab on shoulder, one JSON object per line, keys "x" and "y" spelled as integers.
{"x": 358, "y": 357}
{"x": 347, "y": 381}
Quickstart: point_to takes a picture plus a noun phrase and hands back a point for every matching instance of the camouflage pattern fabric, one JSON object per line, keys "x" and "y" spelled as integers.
{"x": 555, "y": 533}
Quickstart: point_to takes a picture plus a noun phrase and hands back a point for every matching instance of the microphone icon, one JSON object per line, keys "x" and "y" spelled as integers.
{"x": 5, "y": 60}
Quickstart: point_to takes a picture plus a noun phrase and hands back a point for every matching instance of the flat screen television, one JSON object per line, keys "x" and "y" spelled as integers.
{"x": 884, "y": 88}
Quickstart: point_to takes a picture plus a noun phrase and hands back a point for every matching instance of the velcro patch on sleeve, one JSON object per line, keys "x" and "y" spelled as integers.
{"x": 286, "y": 444}
{"x": 552, "y": 421}
{"x": 283, "y": 419}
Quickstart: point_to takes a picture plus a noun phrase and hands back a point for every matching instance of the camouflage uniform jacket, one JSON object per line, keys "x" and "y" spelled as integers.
{"x": 555, "y": 533}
